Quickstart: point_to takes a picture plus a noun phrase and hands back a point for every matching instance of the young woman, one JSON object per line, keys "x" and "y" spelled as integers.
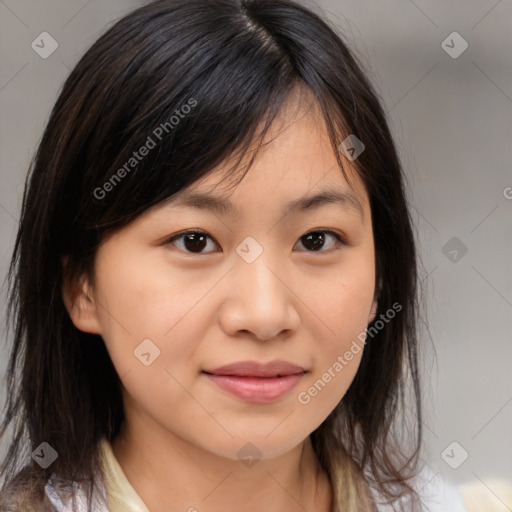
{"x": 213, "y": 287}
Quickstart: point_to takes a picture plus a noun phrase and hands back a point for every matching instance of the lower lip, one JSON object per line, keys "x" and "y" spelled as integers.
{"x": 254, "y": 389}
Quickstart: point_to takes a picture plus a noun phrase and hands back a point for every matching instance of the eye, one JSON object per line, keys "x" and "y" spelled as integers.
{"x": 314, "y": 241}
{"x": 195, "y": 241}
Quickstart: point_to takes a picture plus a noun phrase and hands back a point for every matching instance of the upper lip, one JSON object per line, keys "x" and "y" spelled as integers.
{"x": 256, "y": 369}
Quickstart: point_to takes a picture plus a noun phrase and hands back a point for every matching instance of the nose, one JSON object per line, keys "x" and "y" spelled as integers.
{"x": 260, "y": 300}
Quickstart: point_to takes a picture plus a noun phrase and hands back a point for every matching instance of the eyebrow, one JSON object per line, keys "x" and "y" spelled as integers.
{"x": 223, "y": 206}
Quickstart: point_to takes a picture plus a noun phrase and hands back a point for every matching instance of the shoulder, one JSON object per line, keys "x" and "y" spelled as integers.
{"x": 24, "y": 494}
{"x": 20, "y": 494}
{"x": 68, "y": 496}
{"x": 439, "y": 495}
{"x": 491, "y": 495}
{"x": 435, "y": 494}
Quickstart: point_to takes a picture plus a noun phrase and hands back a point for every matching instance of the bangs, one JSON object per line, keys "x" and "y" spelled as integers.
{"x": 171, "y": 101}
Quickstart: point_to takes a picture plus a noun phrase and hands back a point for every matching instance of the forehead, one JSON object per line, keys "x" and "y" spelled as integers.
{"x": 294, "y": 170}
{"x": 223, "y": 206}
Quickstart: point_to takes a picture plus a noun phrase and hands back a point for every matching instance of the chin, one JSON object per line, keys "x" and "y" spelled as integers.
{"x": 257, "y": 447}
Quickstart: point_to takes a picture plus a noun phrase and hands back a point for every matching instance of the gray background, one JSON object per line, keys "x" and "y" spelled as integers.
{"x": 452, "y": 121}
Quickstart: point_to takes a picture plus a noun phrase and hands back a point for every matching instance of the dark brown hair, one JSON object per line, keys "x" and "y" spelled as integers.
{"x": 238, "y": 60}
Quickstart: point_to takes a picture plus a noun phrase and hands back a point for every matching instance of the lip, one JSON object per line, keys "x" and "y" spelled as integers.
{"x": 255, "y": 369}
{"x": 256, "y": 382}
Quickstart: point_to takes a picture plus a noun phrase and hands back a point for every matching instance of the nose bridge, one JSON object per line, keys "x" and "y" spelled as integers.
{"x": 255, "y": 269}
{"x": 259, "y": 300}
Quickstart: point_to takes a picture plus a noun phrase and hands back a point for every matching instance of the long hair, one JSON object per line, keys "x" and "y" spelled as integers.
{"x": 198, "y": 78}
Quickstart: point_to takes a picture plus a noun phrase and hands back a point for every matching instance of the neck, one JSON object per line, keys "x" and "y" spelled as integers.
{"x": 171, "y": 474}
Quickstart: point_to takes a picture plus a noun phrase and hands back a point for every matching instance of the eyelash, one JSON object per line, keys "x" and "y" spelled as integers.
{"x": 339, "y": 238}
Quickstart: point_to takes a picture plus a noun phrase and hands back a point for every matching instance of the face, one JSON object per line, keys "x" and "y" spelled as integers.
{"x": 259, "y": 282}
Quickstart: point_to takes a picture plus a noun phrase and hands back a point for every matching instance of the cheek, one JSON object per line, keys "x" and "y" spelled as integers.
{"x": 128, "y": 302}
{"x": 344, "y": 305}
{"x": 345, "y": 301}
{"x": 148, "y": 309}
{"x": 338, "y": 354}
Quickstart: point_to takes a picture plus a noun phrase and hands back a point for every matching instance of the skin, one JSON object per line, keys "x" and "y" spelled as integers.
{"x": 179, "y": 442}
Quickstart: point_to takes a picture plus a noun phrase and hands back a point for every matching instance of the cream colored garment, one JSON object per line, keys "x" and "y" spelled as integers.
{"x": 493, "y": 496}
{"x": 474, "y": 496}
{"x": 121, "y": 495}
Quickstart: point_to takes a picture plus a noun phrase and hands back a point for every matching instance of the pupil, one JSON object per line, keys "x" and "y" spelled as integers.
{"x": 197, "y": 240}
{"x": 317, "y": 240}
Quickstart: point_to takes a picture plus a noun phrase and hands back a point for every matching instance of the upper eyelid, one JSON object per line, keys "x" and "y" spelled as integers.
{"x": 190, "y": 231}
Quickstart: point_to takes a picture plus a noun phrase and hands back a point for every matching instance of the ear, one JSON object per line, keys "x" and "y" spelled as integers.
{"x": 79, "y": 302}
{"x": 373, "y": 312}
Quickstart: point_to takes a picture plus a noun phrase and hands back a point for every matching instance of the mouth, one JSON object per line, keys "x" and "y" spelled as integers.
{"x": 255, "y": 382}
